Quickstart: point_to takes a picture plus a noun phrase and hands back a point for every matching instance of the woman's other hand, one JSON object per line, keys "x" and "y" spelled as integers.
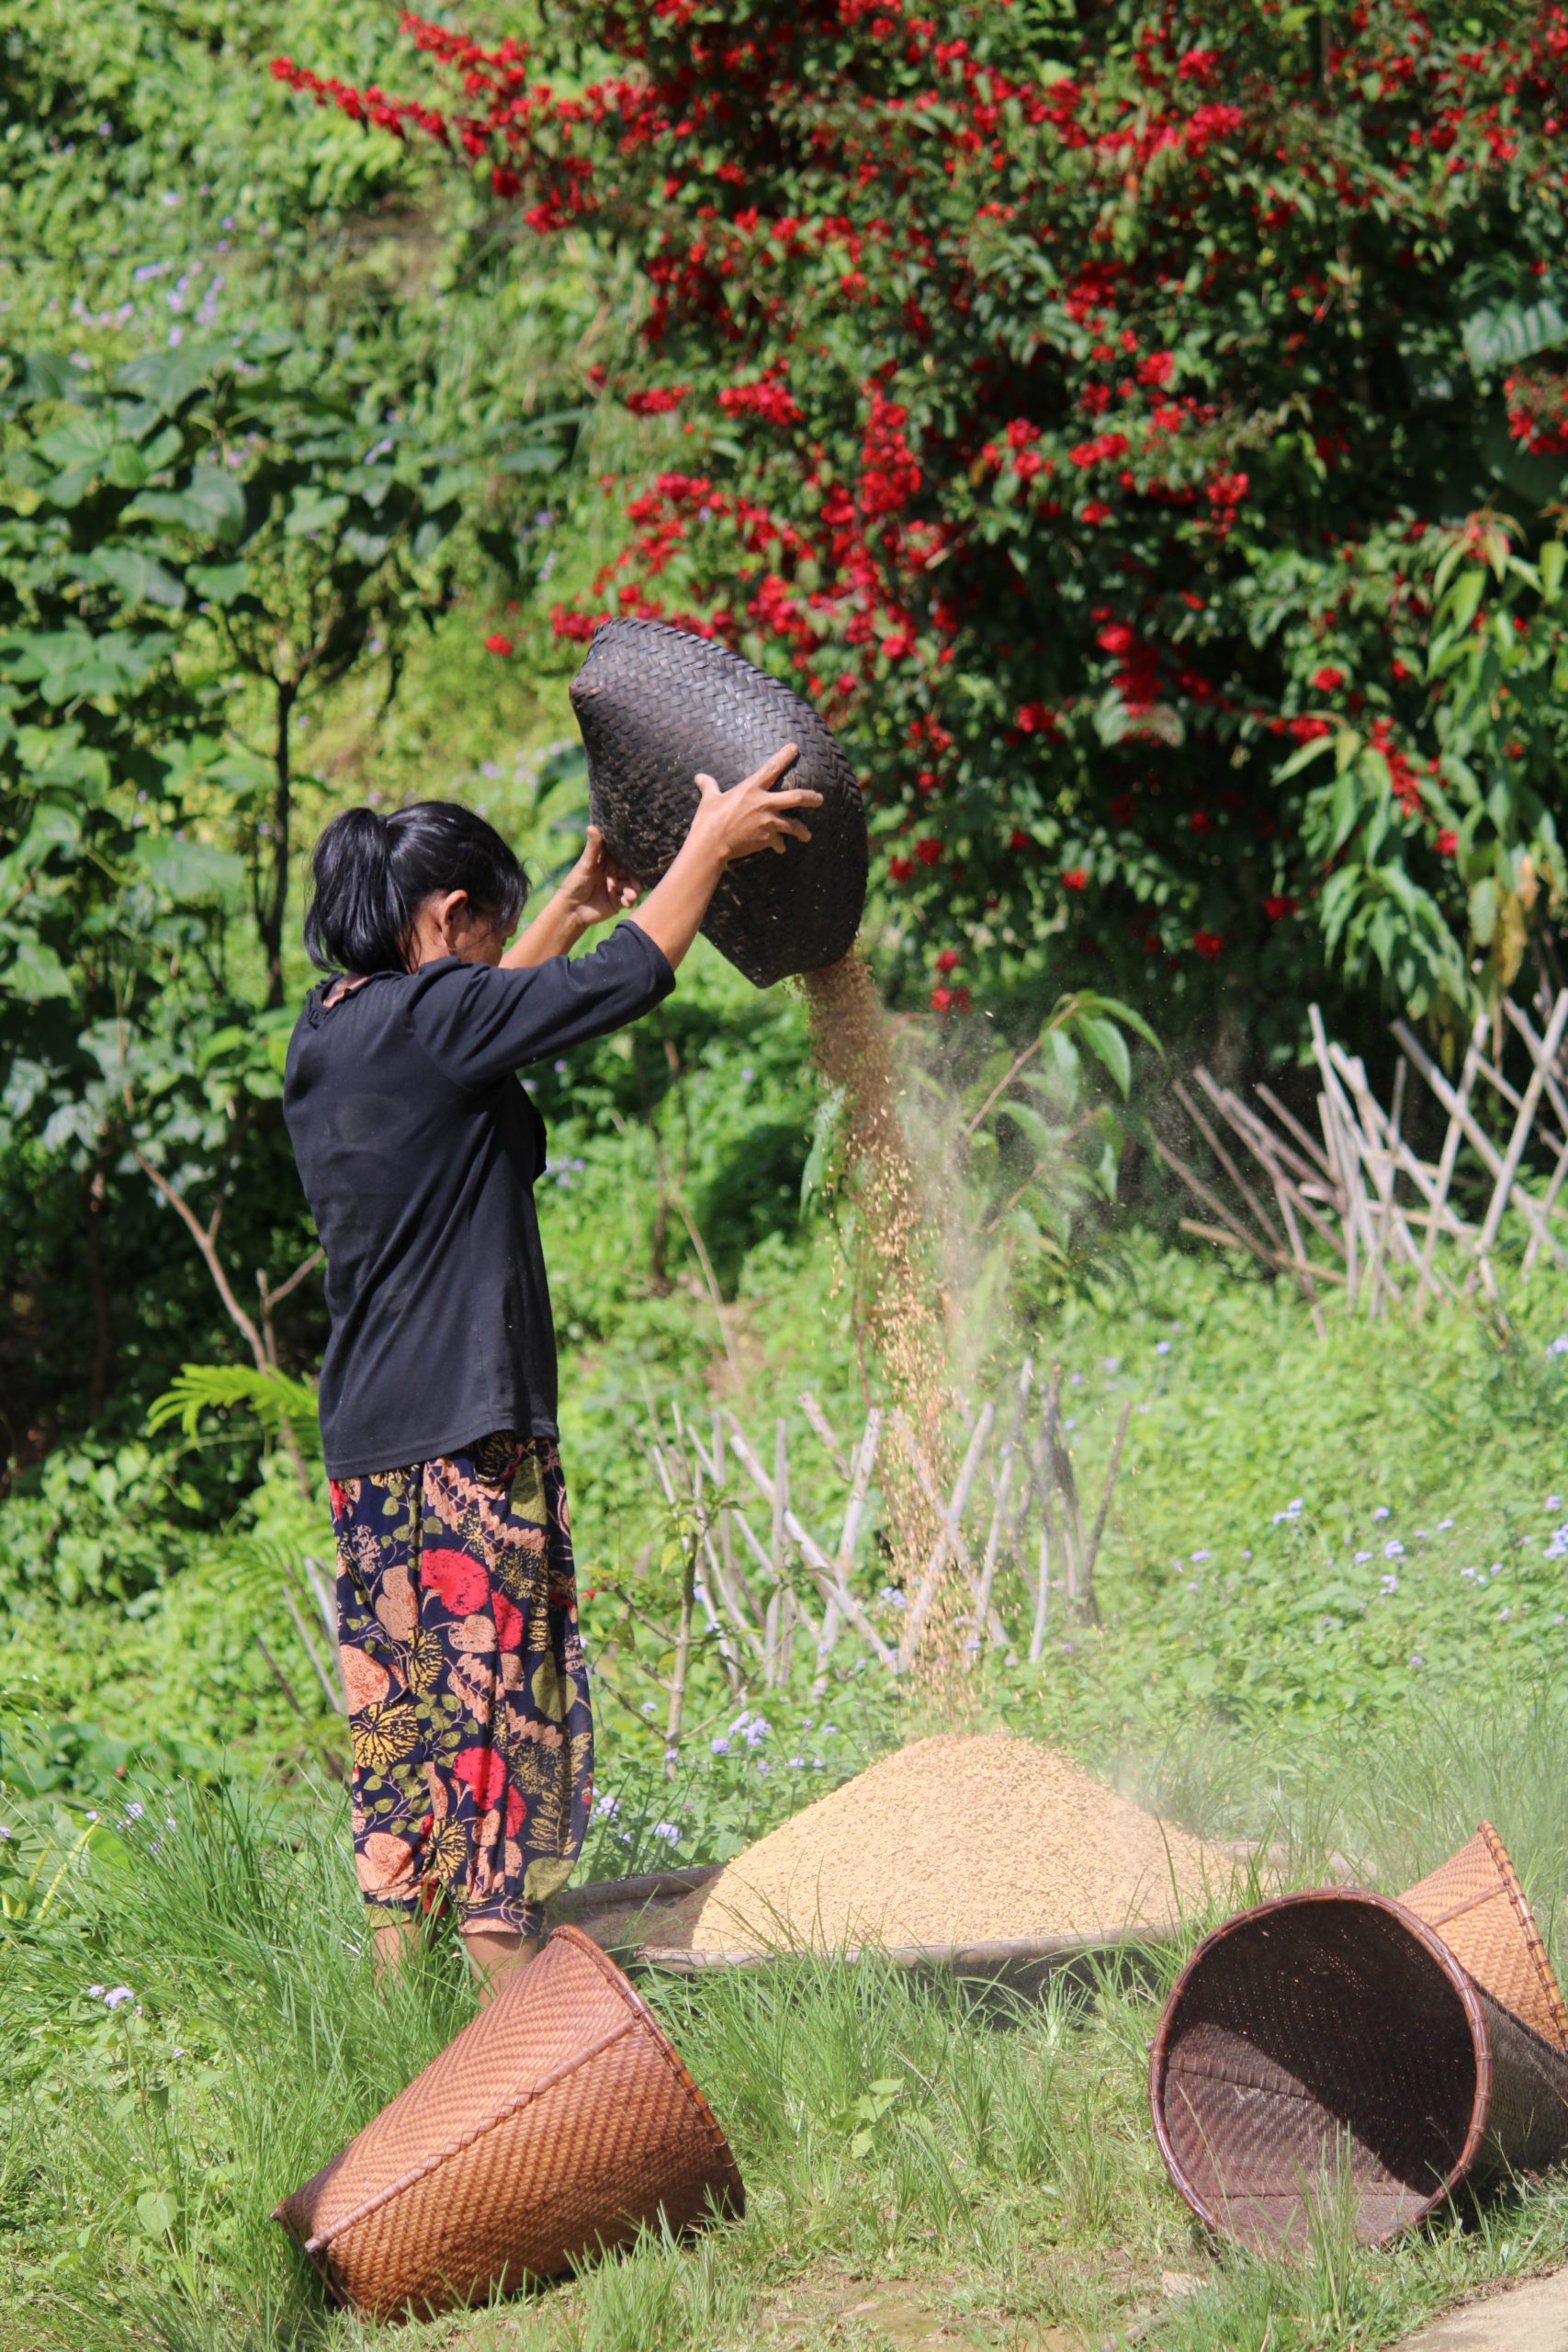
{"x": 752, "y": 815}
{"x": 597, "y": 887}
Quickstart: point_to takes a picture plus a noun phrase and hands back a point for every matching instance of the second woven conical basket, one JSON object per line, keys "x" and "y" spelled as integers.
{"x": 553, "y": 2128}
{"x": 1477, "y": 1905}
{"x": 1337, "y": 2048}
{"x": 656, "y": 707}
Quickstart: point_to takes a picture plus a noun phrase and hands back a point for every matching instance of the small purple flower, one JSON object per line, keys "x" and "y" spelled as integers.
{"x": 1201, "y": 1555}
{"x": 1162, "y": 1347}
{"x": 1395, "y": 1550}
{"x": 1389, "y": 1584}
{"x": 668, "y": 1831}
{"x": 720, "y": 1747}
{"x": 1361, "y": 1558}
{"x": 1382, "y": 1511}
{"x": 117, "y": 1995}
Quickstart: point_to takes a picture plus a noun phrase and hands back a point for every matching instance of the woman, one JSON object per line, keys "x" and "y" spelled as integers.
{"x": 462, "y": 1665}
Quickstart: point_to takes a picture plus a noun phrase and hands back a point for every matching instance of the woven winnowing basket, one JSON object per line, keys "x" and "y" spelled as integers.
{"x": 1329, "y": 2046}
{"x": 657, "y": 707}
{"x": 554, "y": 2126}
{"x": 1477, "y": 1905}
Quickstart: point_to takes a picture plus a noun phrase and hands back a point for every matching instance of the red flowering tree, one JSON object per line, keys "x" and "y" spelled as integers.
{"x": 1090, "y": 410}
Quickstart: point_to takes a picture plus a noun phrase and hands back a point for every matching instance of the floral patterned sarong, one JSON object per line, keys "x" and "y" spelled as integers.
{"x": 467, "y": 1685}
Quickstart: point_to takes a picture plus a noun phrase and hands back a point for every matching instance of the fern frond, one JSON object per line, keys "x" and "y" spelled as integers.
{"x": 277, "y": 1401}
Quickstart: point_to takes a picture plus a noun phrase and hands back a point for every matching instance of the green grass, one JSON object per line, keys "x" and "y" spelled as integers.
{"x": 1002, "y": 2176}
{"x": 1009, "y": 2187}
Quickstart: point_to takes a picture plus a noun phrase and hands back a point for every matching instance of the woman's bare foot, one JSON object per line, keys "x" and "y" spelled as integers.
{"x": 498, "y": 1957}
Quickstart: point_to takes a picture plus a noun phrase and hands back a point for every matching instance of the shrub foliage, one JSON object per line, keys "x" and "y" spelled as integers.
{"x": 1081, "y": 402}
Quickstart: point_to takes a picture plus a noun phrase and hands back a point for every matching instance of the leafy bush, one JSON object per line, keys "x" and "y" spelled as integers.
{"x": 1080, "y": 404}
{"x": 97, "y": 1522}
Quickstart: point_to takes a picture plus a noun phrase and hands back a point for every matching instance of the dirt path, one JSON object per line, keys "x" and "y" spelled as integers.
{"x": 1532, "y": 2318}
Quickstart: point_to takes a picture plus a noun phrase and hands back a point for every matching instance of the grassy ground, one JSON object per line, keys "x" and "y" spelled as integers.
{"x": 921, "y": 2169}
{"x": 1270, "y": 1670}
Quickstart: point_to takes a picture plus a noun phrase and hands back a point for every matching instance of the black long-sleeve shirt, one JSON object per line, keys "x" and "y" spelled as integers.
{"x": 419, "y": 1151}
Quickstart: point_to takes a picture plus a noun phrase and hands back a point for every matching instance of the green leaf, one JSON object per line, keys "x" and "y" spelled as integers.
{"x": 141, "y": 578}
{"x": 192, "y": 873}
{"x": 211, "y": 504}
{"x": 1107, "y": 1044}
{"x": 32, "y": 970}
{"x": 218, "y": 584}
{"x": 157, "y": 2211}
{"x": 1504, "y": 333}
{"x": 314, "y": 509}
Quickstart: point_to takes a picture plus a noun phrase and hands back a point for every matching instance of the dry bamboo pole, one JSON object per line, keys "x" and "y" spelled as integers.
{"x": 1387, "y": 1158}
{"x": 864, "y": 1462}
{"x": 1211, "y": 1201}
{"x": 1476, "y": 1136}
{"x": 1285, "y": 1167}
{"x": 335, "y": 1698}
{"x": 1275, "y": 1240}
{"x": 1103, "y": 1513}
{"x": 1522, "y": 1126}
{"x": 1293, "y": 1127}
{"x": 949, "y": 1540}
{"x": 1554, "y": 1093}
{"x": 323, "y": 1589}
{"x": 1223, "y": 1240}
{"x": 734, "y": 1669}
{"x": 811, "y": 1553}
{"x": 980, "y": 1622}
{"x": 824, "y": 1429}
{"x": 1041, "y": 1481}
{"x": 676, "y": 1713}
{"x": 1082, "y": 1582}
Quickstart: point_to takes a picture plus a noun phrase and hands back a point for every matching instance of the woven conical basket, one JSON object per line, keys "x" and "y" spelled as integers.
{"x": 552, "y": 2128}
{"x": 1329, "y": 2048}
{"x": 657, "y": 707}
{"x": 1477, "y": 1905}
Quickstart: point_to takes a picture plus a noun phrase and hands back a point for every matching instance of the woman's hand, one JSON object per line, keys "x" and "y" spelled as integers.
{"x": 738, "y": 823}
{"x": 597, "y": 887}
{"x": 751, "y": 816}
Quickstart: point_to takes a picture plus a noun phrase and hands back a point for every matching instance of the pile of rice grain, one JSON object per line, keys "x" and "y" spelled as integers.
{"x": 958, "y": 1839}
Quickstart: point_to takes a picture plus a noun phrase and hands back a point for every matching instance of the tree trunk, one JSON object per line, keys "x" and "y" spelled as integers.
{"x": 102, "y": 1363}
{"x": 272, "y": 899}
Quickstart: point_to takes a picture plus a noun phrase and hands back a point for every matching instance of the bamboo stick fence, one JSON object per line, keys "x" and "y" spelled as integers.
{"x": 1390, "y": 1225}
{"x": 769, "y": 1579}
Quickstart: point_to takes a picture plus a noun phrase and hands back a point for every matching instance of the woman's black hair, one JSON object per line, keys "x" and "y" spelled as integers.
{"x": 371, "y": 873}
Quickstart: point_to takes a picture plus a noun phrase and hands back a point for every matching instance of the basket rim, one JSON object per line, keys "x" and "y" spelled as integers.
{"x": 1360, "y": 1898}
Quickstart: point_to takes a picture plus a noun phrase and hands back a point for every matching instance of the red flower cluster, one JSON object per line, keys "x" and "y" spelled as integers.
{"x": 962, "y": 485}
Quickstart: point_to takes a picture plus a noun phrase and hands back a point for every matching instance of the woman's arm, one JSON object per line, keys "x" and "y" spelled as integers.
{"x": 738, "y": 823}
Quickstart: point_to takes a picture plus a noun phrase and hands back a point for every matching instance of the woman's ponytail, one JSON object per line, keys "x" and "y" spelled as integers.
{"x": 358, "y": 919}
{"x": 371, "y": 876}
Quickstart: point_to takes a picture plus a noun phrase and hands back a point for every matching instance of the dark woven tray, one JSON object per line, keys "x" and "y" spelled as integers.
{"x": 656, "y": 707}
{"x": 1330, "y": 2044}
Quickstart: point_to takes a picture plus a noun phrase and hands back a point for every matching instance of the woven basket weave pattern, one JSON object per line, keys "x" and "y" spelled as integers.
{"x": 656, "y": 707}
{"x": 557, "y": 2123}
{"x": 1334, "y": 2034}
{"x": 1477, "y": 1905}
